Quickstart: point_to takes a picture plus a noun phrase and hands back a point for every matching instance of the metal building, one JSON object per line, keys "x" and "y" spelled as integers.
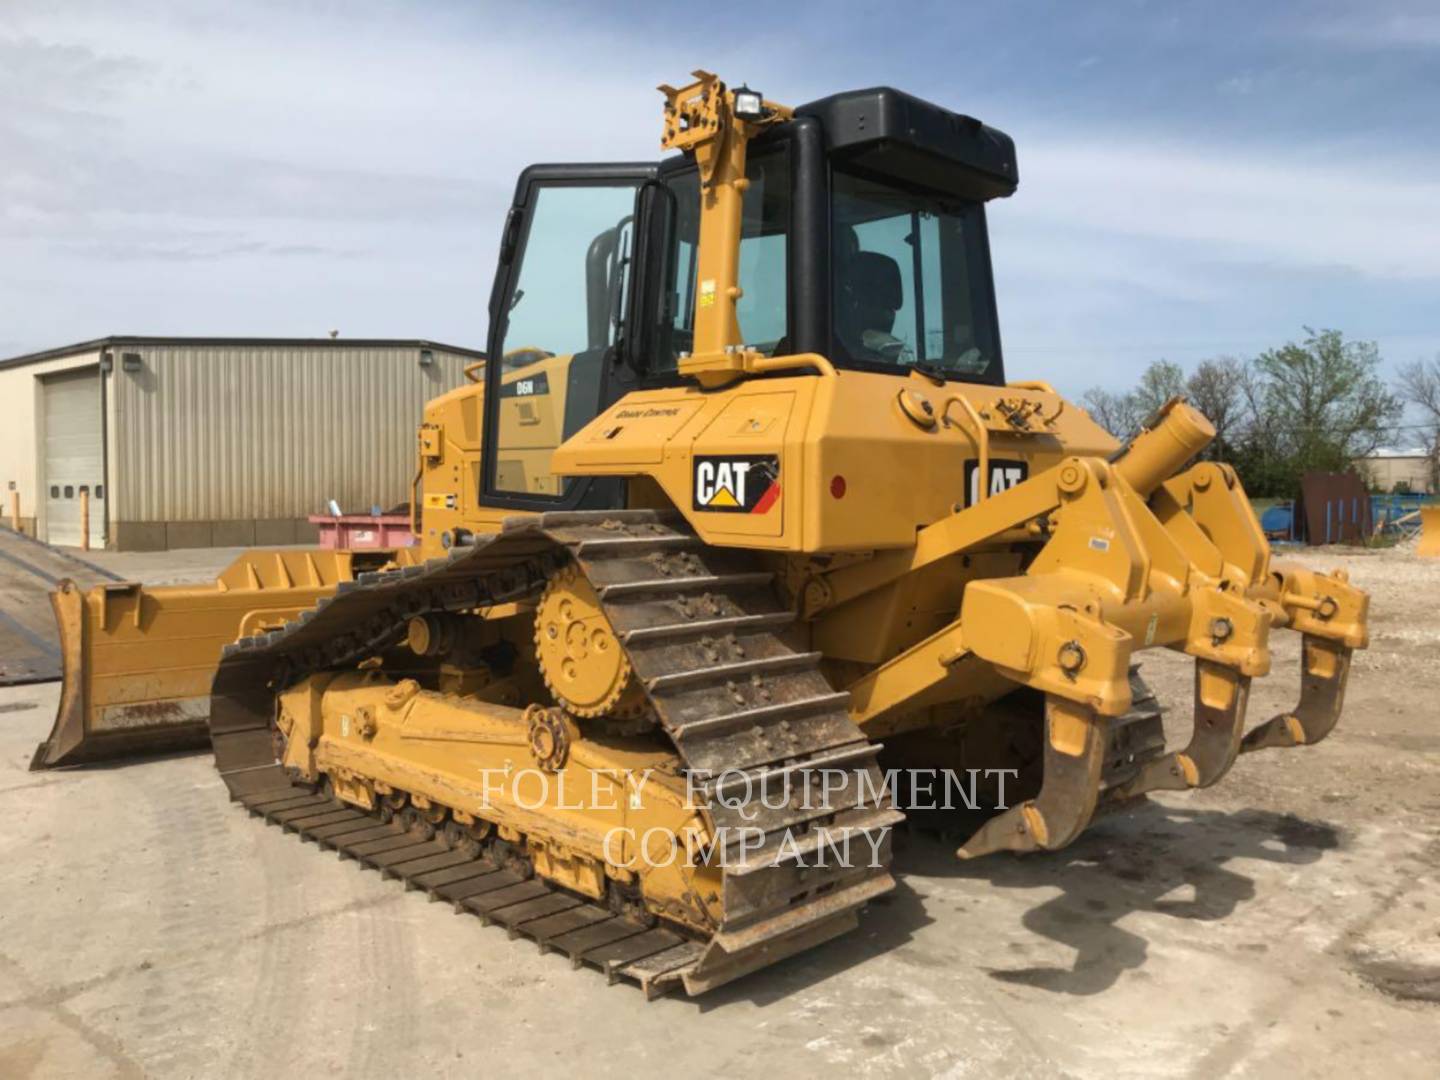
{"x": 194, "y": 442}
{"x": 1401, "y": 470}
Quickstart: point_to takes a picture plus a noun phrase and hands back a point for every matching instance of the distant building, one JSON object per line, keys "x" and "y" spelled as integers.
{"x": 1408, "y": 469}
{"x": 198, "y": 442}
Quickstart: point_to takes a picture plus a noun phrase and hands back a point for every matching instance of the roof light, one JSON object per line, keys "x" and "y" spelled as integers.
{"x": 749, "y": 104}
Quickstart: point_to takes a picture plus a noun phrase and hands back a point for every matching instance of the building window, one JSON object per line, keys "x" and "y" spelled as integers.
{"x": 54, "y": 491}
{"x": 69, "y": 491}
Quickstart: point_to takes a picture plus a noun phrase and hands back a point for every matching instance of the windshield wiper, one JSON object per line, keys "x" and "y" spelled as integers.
{"x": 934, "y": 372}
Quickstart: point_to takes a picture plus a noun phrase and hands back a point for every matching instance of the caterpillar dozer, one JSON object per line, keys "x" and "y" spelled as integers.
{"x": 741, "y": 498}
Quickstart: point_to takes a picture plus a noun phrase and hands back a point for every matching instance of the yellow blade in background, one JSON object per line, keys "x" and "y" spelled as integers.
{"x": 1429, "y": 532}
{"x": 138, "y": 662}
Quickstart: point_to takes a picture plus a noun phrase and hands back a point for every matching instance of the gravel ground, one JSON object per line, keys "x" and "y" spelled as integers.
{"x": 1284, "y": 923}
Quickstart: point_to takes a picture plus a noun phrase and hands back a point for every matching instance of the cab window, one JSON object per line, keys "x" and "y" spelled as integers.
{"x": 764, "y": 308}
{"x": 562, "y": 311}
{"x": 911, "y": 281}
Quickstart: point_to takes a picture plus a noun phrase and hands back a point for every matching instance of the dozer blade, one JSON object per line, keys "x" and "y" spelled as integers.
{"x": 137, "y": 663}
{"x": 1322, "y": 695}
{"x": 1073, "y": 761}
{"x": 1429, "y": 544}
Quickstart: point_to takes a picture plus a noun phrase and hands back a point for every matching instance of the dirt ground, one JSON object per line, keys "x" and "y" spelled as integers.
{"x": 1285, "y": 923}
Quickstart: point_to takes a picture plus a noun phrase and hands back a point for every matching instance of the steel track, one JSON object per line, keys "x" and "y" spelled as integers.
{"x": 751, "y": 717}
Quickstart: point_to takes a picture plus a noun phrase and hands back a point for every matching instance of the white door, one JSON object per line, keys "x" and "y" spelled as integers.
{"x": 73, "y": 456}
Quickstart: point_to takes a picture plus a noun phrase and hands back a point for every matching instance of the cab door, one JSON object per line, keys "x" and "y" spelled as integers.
{"x": 557, "y": 327}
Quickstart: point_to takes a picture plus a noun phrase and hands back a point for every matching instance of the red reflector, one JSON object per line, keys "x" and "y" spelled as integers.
{"x": 837, "y": 487}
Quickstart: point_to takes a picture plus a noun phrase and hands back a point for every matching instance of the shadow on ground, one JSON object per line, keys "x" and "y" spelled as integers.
{"x": 1145, "y": 862}
{"x": 1155, "y": 859}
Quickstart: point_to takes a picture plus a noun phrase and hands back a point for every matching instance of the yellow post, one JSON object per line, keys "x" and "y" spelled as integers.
{"x": 717, "y": 326}
{"x": 15, "y": 510}
{"x": 84, "y": 519}
{"x": 700, "y": 119}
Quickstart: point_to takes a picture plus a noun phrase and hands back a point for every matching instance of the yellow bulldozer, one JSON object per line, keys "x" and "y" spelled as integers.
{"x": 741, "y": 499}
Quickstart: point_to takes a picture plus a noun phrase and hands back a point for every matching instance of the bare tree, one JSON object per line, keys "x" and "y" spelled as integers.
{"x": 1262, "y": 425}
{"x": 1122, "y": 414}
{"x": 1118, "y": 414}
{"x": 1419, "y": 384}
{"x": 1217, "y": 389}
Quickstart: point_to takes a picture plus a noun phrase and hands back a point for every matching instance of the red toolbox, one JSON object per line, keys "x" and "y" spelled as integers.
{"x": 361, "y": 532}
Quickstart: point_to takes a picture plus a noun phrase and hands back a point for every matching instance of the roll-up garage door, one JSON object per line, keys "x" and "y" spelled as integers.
{"x": 74, "y": 460}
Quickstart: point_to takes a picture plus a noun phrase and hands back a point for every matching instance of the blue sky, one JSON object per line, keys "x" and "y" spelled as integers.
{"x": 1197, "y": 179}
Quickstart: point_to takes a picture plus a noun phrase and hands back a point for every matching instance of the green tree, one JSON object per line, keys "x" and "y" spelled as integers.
{"x": 1318, "y": 404}
{"x": 1159, "y": 382}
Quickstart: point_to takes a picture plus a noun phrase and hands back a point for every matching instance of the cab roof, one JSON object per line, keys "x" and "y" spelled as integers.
{"x": 892, "y": 132}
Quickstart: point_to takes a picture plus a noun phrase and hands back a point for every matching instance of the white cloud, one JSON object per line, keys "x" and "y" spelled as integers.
{"x": 282, "y": 168}
{"x": 1332, "y": 211}
{"x": 1374, "y": 30}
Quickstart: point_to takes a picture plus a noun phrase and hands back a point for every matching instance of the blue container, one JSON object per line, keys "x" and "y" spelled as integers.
{"x": 1279, "y": 520}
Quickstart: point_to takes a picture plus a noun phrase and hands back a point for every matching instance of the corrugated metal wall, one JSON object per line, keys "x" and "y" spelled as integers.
{"x": 229, "y": 432}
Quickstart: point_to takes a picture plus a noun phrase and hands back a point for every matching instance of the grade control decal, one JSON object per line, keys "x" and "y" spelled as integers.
{"x": 736, "y": 484}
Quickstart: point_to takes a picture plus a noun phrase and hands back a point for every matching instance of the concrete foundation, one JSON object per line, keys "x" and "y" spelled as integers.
{"x": 170, "y": 535}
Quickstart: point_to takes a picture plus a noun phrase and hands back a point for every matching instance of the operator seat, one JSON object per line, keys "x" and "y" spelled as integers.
{"x": 871, "y": 293}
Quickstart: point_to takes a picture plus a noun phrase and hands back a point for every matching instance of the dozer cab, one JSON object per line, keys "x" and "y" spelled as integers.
{"x": 741, "y": 496}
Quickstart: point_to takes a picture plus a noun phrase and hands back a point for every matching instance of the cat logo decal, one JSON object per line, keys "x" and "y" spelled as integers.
{"x": 739, "y": 484}
{"x": 1004, "y": 475}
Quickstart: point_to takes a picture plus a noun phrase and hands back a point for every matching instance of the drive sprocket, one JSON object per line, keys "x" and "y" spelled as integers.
{"x": 580, "y": 658}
